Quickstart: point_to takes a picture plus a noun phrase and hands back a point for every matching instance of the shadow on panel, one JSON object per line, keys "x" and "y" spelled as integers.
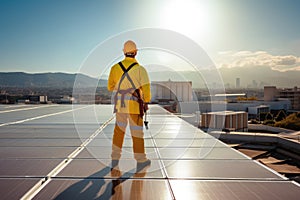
{"x": 101, "y": 188}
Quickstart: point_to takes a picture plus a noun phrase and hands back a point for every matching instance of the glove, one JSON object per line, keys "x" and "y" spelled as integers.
{"x": 146, "y": 107}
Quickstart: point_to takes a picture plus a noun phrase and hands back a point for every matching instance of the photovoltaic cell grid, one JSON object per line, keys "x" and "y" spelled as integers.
{"x": 59, "y": 152}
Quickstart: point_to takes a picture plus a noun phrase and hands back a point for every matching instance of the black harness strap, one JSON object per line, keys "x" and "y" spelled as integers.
{"x": 126, "y": 74}
{"x": 134, "y": 91}
{"x": 123, "y": 92}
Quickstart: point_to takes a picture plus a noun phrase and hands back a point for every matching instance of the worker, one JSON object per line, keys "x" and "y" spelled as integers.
{"x": 131, "y": 86}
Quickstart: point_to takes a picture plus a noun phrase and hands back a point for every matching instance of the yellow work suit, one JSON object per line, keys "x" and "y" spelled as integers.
{"x": 130, "y": 112}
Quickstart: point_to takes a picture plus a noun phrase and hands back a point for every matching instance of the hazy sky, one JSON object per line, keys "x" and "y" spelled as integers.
{"x": 57, "y": 35}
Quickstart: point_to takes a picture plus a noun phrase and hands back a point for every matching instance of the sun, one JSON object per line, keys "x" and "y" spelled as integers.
{"x": 189, "y": 17}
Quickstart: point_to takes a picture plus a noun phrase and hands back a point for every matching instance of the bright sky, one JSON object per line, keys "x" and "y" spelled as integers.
{"x": 57, "y": 35}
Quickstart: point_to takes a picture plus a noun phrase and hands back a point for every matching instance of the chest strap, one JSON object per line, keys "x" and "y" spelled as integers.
{"x": 124, "y": 92}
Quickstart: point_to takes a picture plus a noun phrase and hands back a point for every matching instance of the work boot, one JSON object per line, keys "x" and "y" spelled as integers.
{"x": 142, "y": 165}
{"x": 114, "y": 164}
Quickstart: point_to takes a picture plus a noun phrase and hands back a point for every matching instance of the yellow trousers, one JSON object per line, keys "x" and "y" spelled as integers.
{"x": 137, "y": 135}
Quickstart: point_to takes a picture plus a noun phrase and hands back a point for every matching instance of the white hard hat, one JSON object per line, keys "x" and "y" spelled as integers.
{"x": 129, "y": 47}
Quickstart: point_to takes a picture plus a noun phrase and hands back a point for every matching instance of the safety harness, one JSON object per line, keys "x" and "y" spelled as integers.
{"x": 133, "y": 91}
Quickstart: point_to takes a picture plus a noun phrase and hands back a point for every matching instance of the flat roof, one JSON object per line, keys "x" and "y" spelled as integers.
{"x": 63, "y": 151}
{"x": 226, "y": 112}
{"x": 230, "y": 95}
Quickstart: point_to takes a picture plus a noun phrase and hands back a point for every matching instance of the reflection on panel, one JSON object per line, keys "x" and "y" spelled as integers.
{"x": 199, "y": 153}
{"x": 234, "y": 190}
{"x": 217, "y": 169}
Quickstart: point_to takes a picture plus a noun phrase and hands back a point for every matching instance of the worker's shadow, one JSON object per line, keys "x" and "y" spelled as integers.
{"x": 97, "y": 187}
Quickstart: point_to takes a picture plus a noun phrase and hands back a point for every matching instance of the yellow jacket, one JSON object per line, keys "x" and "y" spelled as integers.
{"x": 140, "y": 78}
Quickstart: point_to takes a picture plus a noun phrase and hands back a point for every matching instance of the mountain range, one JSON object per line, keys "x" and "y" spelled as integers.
{"x": 249, "y": 77}
{"x": 47, "y": 80}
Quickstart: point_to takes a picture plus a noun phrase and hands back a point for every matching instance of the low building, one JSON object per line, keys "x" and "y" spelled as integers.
{"x": 293, "y": 94}
{"x": 271, "y": 93}
{"x": 172, "y": 90}
{"x": 226, "y": 120}
{"x": 43, "y": 99}
{"x": 255, "y": 111}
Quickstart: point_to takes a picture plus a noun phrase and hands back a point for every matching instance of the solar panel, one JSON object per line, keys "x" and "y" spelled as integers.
{"x": 15, "y": 188}
{"x": 67, "y": 148}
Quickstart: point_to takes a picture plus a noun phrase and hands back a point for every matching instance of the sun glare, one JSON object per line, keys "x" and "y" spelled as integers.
{"x": 189, "y": 17}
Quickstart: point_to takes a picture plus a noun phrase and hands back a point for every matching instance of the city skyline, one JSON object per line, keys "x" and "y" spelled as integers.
{"x": 57, "y": 36}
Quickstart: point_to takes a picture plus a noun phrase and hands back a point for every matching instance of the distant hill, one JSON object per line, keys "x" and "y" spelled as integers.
{"x": 47, "y": 80}
{"x": 260, "y": 76}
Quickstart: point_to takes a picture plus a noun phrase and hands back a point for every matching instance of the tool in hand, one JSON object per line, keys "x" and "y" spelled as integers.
{"x": 145, "y": 121}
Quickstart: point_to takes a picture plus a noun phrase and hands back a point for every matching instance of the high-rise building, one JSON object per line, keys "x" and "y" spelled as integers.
{"x": 270, "y": 93}
{"x": 238, "y": 83}
{"x": 254, "y": 84}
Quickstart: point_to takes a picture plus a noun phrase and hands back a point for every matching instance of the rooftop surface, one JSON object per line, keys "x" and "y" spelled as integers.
{"x": 63, "y": 152}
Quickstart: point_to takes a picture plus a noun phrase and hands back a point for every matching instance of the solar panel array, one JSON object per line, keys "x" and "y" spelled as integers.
{"x": 63, "y": 152}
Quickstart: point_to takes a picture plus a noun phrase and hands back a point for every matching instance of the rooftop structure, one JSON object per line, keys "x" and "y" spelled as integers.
{"x": 172, "y": 90}
{"x": 227, "y": 120}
